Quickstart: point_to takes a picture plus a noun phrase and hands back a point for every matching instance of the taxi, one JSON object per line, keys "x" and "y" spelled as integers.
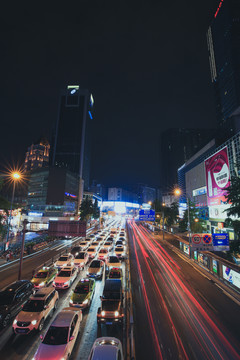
{"x": 83, "y": 293}
{"x": 44, "y": 277}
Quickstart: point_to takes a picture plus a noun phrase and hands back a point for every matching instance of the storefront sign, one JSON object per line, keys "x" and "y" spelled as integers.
{"x": 231, "y": 275}
{"x": 217, "y": 177}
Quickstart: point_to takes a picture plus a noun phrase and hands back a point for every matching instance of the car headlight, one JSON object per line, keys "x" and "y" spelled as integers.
{"x": 66, "y": 283}
{"x": 85, "y": 301}
{"x": 34, "y": 322}
{"x": 15, "y": 321}
{"x": 87, "y": 272}
{"x": 42, "y": 283}
{"x": 76, "y": 253}
{"x": 54, "y": 283}
{"x": 103, "y": 313}
{"x": 116, "y": 313}
{"x": 70, "y": 301}
{"x": 99, "y": 273}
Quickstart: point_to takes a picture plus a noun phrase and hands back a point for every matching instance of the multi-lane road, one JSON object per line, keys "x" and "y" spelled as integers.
{"x": 179, "y": 312}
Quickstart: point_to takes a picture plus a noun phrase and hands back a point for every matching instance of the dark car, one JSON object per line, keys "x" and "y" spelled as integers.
{"x": 12, "y": 298}
{"x": 76, "y": 250}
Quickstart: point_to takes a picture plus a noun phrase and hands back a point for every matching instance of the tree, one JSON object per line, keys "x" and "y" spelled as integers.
{"x": 233, "y": 197}
{"x": 86, "y": 209}
{"x": 96, "y": 210}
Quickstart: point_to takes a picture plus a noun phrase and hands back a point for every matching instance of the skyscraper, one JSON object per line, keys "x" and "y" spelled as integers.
{"x": 37, "y": 155}
{"x": 223, "y": 37}
{"x": 71, "y": 143}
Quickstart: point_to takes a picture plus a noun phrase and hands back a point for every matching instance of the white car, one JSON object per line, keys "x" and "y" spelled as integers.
{"x": 113, "y": 261}
{"x": 108, "y": 245}
{"x": 65, "y": 277}
{"x": 108, "y": 348}
{"x": 35, "y": 311}
{"x": 119, "y": 251}
{"x": 92, "y": 252}
{"x": 96, "y": 269}
{"x": 61, "y": 336}
{"x": 84, "y": 245}
{"x": 81, "y": 259}
{"x": 95, "y": 244}
{"x": 64, "y": 260}
{"x": 103, "y": 254}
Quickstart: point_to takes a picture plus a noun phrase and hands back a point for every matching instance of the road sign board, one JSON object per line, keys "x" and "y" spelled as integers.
{"x": 147, "y": 215}
{"x": 201, "y": 242}
{"x": 220, "y": 242}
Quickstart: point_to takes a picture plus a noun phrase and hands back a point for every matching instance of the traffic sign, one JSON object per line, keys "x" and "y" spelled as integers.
{"x": 147, "y": 215}
{"x": 220, "y": 242}
{"x": 201, "y": 242}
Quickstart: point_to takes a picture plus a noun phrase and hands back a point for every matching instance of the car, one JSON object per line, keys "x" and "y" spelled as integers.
{"x": 95, "y": 244}
{"x": 81, "y": 259}
{"x": 121, "y": 238}
{"x": 92, "y": 252}
{"x": 83, "y": 293}
{"x": 12, "y": 297}
{"x": 44, "y": 277}
{"x": 111, "y": 310}
{"x": 92, "y": 236}
{"x": 35, "y": 311}
{"x": 88, "y": 240}
{"x": 103, "y": 254}
{"x": 61, "y": 336}
{"x": 119, "y": 252}
{"x": 96, "y": 269}
{"x": 122, "y": 234}
{"x": 65, "y": 277}
{"x": 119, "y": 242}
{"x": 64, "y": 260}
{"x": 84, "y": 245}
{"x": 115, "y": 273}
{"x": 76, "y": 250}
{"x": 113, "y": 261}
{"x": 108, "y": 245}
{"x": 110, "y": 238}
{"x": 109, "y": 348}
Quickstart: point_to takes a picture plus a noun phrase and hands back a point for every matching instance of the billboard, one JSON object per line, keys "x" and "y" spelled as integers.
{"x": 232, "y": 276}
{"x": 67, "y": 228}
{"x": 217, "y": 177}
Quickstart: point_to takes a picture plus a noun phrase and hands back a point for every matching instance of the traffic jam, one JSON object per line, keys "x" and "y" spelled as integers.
{"x": 92, "y": 275}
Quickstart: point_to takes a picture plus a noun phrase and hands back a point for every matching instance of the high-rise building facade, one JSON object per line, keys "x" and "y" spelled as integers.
{"x": 223, "y": 37}
{"x": 37, "y": 156}
{"x": 177, "y": 146}
{"x": 71, "y": 143}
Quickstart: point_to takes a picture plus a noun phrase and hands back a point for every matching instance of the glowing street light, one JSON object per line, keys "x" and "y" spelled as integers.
{"x": 178, "y": 192}
{"x": 14, "y": 176}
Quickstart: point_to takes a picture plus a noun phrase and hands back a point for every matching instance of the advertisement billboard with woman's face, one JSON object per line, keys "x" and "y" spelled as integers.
{"x": 217, "y": 177}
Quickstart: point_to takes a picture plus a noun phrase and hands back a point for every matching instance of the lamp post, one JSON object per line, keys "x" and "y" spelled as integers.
{"x": 163, "y": 204}
{"x": 15, "y": 177}
{"x": 178, "y": 192}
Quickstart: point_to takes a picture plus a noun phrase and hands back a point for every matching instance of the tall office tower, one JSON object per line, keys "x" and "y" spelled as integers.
{"x": 71, "y": 143}
{"x": 223, "y": 37}
{"x": 176, "y": 147}
{"x": 37, "y": 155}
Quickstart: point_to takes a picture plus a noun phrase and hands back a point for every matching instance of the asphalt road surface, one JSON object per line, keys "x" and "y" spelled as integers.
{"x": 178, "y": 312}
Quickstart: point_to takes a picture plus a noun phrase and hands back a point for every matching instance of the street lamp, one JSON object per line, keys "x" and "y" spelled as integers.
{"x": 15, "y": 176}
{"x": 163, "y": 204}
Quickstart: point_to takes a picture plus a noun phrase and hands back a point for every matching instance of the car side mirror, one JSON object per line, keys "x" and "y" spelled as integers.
{"x": 72, "y": 338}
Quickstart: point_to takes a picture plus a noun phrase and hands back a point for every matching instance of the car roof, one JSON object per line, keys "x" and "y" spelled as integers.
{"x": 63, "y": 318}
{"x": 16, "y": 285}
{"x": 42, "y": 293}
{"x": 105, "y": 352}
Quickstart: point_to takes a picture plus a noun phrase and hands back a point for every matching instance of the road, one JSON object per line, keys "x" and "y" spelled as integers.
{"x": 23, "y": 347}
{"x": 178, "y": 312}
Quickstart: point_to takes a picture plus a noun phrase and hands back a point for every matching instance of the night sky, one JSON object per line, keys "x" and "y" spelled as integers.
{"x": 145, "y": 61}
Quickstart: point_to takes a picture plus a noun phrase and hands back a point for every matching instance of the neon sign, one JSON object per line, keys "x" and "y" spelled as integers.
{"x": 219, "y": 7}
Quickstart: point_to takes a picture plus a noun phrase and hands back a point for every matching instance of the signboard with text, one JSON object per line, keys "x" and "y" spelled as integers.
{"x": 202, "y": 242}
{"x": 217, "y": 177}
{"x": 147, "y": 215}
{"x": 67, "y": 228}
{"x": 220, "y": 242}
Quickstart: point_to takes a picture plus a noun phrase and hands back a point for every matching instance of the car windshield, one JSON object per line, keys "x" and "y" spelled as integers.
{"x": 82, "y": 289}
{"x": 63, "y": 258}
{"x": 80, "y": 256}
{"x": 103, "y": 251}
{"x": 119, "y": 249}
{"x": 91, "y": 250}
{"x": 41, "y": 275}
{"x": 64, "y": 273}
{"x": 34, "y": 306}
{"x": 6, "y": 297}
{"x": 95, "y": 264}
{"x": 113, "y": 259}
{"x": 56, "y": 336}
